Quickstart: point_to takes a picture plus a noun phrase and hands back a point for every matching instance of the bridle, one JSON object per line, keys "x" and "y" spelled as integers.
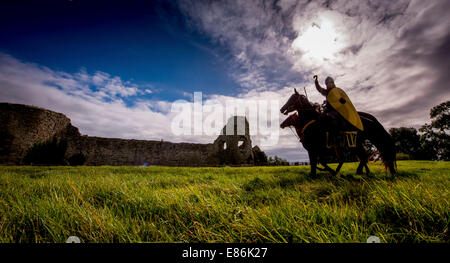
{"x": 302, "y": 109}
{"x": 295, "y": 133}
{"x": 300, "y": 135}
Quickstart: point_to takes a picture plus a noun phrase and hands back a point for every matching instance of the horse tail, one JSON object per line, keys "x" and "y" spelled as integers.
{"x": 378, "y": 136}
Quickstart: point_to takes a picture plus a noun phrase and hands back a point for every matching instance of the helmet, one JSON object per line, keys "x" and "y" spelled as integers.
{"x": 329, "y": 79}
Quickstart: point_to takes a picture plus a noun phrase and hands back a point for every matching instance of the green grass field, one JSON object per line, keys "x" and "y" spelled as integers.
{"x": 226, "y": 204}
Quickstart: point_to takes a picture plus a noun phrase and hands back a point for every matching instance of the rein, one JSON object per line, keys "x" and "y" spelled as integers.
{"x": 303, "y": 108}
{"x": 295, "y": 133}
{"x": 306, "y": 126}
{"x": 302, "y": 132}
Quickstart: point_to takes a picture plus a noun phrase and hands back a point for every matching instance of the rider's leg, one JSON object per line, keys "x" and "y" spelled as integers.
{"x": 332, "y": 125}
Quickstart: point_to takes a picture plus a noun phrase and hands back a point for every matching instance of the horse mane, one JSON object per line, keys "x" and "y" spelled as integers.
{"x": 304, "y": 100}
{"x": 305, "y": 104}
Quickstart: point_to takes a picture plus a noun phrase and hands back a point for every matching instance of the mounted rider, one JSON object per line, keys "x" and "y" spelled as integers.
{"x": 338, "y": 108}
{"x": 329, "y": 82}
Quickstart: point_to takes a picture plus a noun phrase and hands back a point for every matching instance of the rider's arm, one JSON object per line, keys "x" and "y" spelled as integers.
{"x": 319, "y": 88}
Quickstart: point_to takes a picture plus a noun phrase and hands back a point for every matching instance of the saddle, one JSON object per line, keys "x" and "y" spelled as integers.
{"x": 345, "y": 139}
{"x": 339, "y": 133}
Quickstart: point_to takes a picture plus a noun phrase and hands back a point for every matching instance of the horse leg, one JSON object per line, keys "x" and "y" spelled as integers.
{"x": 339, "y": 166}
{"x": 362, "y": 156}
{"x": 359, "y": 170}
{"x": 339, "y": 155}
{"x": 313, "y": 162}
{"x": 331, "y": 171}
{"x": 328, "y": 168}
{"x": 367, "y": 169}
{"x": 321, "y": 169}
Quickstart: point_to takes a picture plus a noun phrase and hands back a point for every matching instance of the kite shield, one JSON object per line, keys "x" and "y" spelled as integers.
{"x": 342, "y": 104}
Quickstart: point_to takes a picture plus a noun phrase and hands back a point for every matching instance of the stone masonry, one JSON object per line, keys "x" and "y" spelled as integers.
{"x": 22, "y": 126}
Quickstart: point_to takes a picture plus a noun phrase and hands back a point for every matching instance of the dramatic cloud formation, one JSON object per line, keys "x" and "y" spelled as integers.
{"x": 391, "y": 57}
{"x": 94, "y": 103}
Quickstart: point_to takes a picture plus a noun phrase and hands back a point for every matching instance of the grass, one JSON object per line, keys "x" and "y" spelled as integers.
{"x": 226, "y": 204}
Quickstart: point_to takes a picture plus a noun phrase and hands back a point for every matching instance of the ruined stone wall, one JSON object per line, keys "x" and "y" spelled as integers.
{"x": 23, "y": 126}
{"x": 108, "y": 151}
{"x": 234, "y": 143}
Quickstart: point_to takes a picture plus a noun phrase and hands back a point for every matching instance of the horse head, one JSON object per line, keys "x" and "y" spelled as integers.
{"x": 290, "y": 121}
{"x": 295, "y": 102}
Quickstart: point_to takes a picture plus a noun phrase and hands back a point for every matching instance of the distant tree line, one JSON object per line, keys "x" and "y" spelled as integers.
{"x": 430, "y": 142}
{"x": 299, "y": 163}
{"x": 273, "y": 161}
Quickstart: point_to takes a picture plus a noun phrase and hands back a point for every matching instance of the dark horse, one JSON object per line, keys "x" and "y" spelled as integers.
{"x": 312, "y": 134}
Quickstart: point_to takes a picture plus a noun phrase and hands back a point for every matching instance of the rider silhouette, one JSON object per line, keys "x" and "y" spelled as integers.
{"x": 329, "y": 82}
{"x": 330, "y": 118}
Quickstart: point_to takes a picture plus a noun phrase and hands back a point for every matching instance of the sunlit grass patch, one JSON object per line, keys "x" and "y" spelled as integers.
{"x": 224, "y": 204}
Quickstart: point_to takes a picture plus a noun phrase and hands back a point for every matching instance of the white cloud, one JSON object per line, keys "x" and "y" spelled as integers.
{"x": 102, "y": 112}
{"x": 388, "y": 56}
{"x": 97, "y": 112}
{"x": 376, "y": 51}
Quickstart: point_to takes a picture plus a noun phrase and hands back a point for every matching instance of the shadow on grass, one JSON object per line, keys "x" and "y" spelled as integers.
{"x": 404, "y": 174}
{"x": 254, "y": 185}
{"x": 38, "y": 175}
{"x": 401, "y": 221}
{"x": 289, "y": 182}
{"x": 285, "y": 182}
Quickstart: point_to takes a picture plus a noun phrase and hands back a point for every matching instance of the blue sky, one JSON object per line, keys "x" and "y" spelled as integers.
{"x": 115, "y": 67}
{"x": 143, "y": 41}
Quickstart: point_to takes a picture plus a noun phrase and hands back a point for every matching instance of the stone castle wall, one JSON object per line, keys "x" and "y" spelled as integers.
{"x": 108, "y": 151}
{"x": 22, "y": 126}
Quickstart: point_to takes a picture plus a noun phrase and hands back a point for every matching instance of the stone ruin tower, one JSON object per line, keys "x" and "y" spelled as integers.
{"x": 234, "y": 143}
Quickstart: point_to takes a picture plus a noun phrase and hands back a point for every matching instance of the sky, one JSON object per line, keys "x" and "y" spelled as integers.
{"x": 115, "y": 68}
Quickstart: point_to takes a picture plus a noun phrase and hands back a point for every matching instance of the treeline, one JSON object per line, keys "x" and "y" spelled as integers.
{"x": 274, "y": 161}
{"x": 430, "y": 142}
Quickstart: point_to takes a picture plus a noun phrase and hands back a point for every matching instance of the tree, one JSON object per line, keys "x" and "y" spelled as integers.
{"x": 435, "y": 138}
{"x": 407, "y": 141}
{"x": 277, "y": 161}
{"x": 440, "y": 116}
{"x": 428, "y": 141}
{"x": 432, "y": 142}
